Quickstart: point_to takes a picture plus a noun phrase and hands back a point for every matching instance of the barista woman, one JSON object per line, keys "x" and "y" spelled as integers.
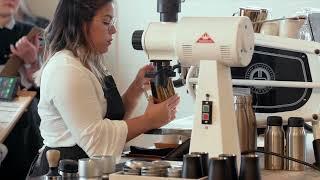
{"x": 80, "y": 104}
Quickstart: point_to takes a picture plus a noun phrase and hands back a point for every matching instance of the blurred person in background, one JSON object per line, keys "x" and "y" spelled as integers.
{"x": 24, "y": 140}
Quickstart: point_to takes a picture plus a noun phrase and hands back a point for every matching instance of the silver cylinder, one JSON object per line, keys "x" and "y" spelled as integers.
{"x": 296, "y": 143}
{"x": 89, "y": 169}
{"x": 246, "y": 122}
{"x": 107, "y": 163}
{"x": 252, "y": 122}
{"x": 274, "y": 142}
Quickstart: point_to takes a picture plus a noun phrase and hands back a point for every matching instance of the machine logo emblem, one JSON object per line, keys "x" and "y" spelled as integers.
{"x": 260, "y": 71}
{"x": 205, "y": 38}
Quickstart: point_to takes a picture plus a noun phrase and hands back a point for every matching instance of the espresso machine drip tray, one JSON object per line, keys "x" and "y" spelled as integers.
{"x": 276, "y": 65}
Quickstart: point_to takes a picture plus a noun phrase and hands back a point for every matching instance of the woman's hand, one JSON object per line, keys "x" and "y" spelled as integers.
{"x": 162, "y": 113}
{"x": 141, "y": 81}
{"x": 26, "y": 50}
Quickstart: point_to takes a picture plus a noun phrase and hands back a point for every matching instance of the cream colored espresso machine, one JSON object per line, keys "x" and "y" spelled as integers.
{"x": 214, "y": 44}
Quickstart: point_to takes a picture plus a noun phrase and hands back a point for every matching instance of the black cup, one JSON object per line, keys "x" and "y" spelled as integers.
{"x": 192, "y": 167}
{"x": 250, "y": 169}
{"x": 204, "y": 161}
{"x": 231, "y": 166}
{"x": 217, "y": 168}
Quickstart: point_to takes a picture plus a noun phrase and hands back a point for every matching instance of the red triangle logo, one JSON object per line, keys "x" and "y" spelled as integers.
{"x": 205, "y": 38}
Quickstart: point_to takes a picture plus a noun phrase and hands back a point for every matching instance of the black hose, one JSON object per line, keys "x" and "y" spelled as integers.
{"x": 282, "y": 156}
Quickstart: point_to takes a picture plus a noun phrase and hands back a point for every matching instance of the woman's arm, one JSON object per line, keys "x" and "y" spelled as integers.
{"x": 133, "y": 93}
{"x": 28, "y": 52}
{"x": 155, "y": 116}
{"x": 75, "y": 95}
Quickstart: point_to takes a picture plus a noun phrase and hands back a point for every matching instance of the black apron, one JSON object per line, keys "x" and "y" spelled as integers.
{"x": 115, "y": 111}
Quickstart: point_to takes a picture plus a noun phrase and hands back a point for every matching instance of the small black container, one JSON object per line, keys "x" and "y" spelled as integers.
{"x": 204, "y": 161}
{"x": 250, "y": 169}
{"x": 231, "y": 166}
{"x": 192, "y": 167}
{"x": 68, "y": 169}
{"x": 217, "y": 168}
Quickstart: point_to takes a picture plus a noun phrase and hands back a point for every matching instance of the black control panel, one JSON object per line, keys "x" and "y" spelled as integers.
{"x": 206, "y": 115}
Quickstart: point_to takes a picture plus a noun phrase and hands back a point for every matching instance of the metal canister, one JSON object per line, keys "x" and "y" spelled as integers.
{"x": 89, "y": 169}
{"x": 107, "y": 164}
{"x": 296, "y": 143}
{"x": 246, "y": 123}
{"x": 274, "y": 142}
{"x": 252, "y": 122}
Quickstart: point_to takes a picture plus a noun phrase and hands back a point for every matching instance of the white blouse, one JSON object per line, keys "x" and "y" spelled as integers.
{"x": 72, "y": 106}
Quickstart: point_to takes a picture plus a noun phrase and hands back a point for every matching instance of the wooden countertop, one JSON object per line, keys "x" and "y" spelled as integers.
{"x": 10, "y": 112}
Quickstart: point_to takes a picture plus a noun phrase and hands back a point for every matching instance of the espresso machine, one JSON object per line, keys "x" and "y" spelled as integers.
{"x": 281, "y": 73}
{"x": 282, "y": 76}
{"x": 283, "y": 79}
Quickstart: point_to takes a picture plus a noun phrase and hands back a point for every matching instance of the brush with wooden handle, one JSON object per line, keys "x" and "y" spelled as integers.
{"x": 13, "y": 64}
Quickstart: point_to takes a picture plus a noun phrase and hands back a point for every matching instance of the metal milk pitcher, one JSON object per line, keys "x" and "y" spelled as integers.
{"x": 246, "y": 122}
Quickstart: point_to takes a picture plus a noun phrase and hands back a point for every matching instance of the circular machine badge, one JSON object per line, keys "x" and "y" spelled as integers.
{"x": 260, "y": 71}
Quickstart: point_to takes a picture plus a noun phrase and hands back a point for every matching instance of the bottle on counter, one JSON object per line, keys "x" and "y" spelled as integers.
{"x": 296, "y": 143}
{"x": 252, "y": 122}
{"x": 246, "y": 121}
{"x": 274, "y": 142}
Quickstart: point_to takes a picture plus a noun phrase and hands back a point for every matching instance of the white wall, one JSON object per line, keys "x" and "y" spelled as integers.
{"x": 42, "y": 8}
{"x": 134, "y": 15}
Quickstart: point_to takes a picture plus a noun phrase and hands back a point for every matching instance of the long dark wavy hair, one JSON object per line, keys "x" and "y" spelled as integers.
{"x": 66, "y": 31}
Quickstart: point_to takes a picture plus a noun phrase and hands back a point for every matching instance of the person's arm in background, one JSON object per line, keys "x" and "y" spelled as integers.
{"x": 28, "y": 52}
{"x": 131, "y": 96}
